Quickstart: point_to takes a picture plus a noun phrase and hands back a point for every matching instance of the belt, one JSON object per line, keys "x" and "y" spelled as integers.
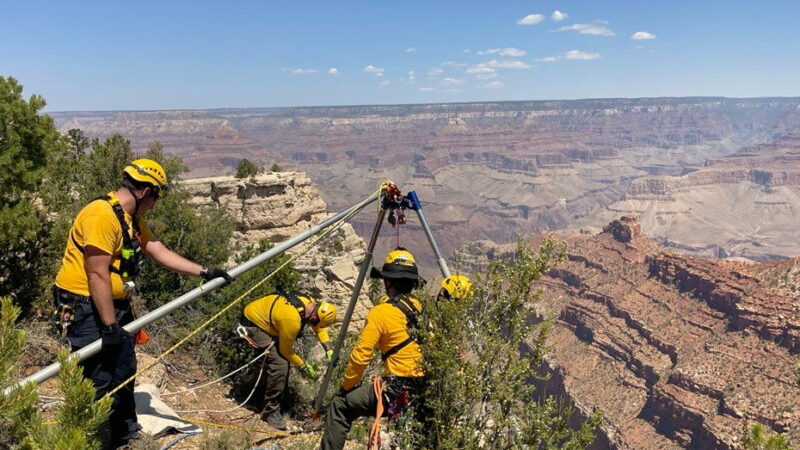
{"x": 60, "y": 294}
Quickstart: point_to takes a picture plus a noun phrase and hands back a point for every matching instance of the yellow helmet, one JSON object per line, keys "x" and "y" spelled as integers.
{"x": 148, "y": 171}
{"x": 457, "y": 287}
{"x": 399, "y": 263}
{"x": 326, "y": 313}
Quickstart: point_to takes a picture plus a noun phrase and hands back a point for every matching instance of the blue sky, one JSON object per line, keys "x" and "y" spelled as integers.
{"x": 89, "y": 55}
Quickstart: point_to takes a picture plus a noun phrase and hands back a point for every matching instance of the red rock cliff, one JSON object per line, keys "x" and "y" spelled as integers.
{"x": 676, "y": 351}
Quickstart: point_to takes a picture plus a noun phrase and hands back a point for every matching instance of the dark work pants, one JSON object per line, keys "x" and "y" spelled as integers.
{"x": 277, "y": 379}
{"x": 107, "y": 370}
{"x": 343, "y": 410}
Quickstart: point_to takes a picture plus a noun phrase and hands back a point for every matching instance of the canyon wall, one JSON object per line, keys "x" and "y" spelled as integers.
{"x": 499, "y": 169}
{"x": 676, "y": 351}
{"x": 277, "y": 206}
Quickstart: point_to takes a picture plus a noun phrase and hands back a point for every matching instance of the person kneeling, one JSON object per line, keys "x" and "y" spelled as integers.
{"x": 386, "y": 327}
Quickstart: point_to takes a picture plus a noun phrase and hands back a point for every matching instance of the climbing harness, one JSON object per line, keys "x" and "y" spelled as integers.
{"x": 131, "y": 252}
{"x": 402, "y": 303}
{"x": 396, "y": 392}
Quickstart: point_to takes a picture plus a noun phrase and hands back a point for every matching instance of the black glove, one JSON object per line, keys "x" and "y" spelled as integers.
{"x": 210, "y": 274}
{"x": 112, "y": 335}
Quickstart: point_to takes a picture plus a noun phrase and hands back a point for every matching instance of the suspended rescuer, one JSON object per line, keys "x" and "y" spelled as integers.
{"x": 455, "y": 287}
{"x": 275, "y": 322}
{"x": 387, "y": 327}
{"x": 92, "y": 288}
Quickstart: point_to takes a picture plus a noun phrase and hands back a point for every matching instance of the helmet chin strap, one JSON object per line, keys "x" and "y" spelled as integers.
{"x": 136, "y": 199}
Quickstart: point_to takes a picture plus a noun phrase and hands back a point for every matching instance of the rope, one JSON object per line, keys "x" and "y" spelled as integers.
{"x": 220, "y": 378}
{"x": 155, "y": 361}
{"x": 277, "y": 434}
{"x": 374, "y": 442}
{"x": 173, "y": 442}
{"x": 252, "y": 391}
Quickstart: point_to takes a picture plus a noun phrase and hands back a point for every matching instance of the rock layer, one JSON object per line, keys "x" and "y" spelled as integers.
{"x": 498, "y": 169}
{"x": 276, "y": 206}
{"x": 676, "y": 351}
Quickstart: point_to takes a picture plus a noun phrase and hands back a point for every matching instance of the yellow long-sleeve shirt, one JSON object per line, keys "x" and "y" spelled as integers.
{"x": 385, "y": 327}
{"x": 284, "y": 324}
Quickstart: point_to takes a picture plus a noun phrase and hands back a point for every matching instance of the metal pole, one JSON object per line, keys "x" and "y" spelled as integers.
{"x": 417, "y": 206}
{"x": 197, "y": 292}
{"x": 362, "y": 273}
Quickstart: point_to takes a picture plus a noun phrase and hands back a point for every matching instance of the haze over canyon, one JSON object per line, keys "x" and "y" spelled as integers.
{"x": 709, "y": 176}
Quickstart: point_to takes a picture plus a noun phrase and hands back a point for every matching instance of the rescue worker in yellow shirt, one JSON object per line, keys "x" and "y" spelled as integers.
{"x": 276, "y": 321}
{"x": 91, "y": 292}
{"x": 387, "y": 328}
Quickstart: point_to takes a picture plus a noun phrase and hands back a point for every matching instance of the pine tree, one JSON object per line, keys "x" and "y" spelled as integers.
{"x": 246, "y": 169}
{"x": 758, "y": 439}
{"x": 21, "y": 424}
{"x": 27, "y": 142}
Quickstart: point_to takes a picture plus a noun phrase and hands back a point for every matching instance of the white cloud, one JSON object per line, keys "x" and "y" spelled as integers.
{"x": 425, "y": 89}
{"x": 435, "y": 72}
{"x": 508, "y": 51}
{"x": 333, "y": 71}
{"x": 303, "y": 71}
{"x": 480, "y": 69}
{"x": 508, "y": 64}
{"x": 453, "y": 64}
{"x": 453, "y": 90}
{"x": 412, "y": 76}
{"x": 384, "y": 83}
{"x": 486, "y": 76}
{"x": 452, "y": 81}
{"x": 466, "y": 50}
{"x": 642, "y": 35}
{"x": 558, "y": 16}
{"x": 577, "y": 54}
{"x": 596, "y": 29}
{"x": 547, "y": 59}
{"x": 530, "y": 19}
{"x": 372, "y": 69}
{"x": 411, "y": 49}
{"x": 492, "y": 85}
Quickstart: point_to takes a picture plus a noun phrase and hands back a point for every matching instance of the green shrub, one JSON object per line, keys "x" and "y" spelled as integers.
{"x": 246, "y": 169}
{"x": 757, "y": 438}
{"x": 481, "y": 354}
{"x": 28, "y": 143}
{"x": 77, "y": 418}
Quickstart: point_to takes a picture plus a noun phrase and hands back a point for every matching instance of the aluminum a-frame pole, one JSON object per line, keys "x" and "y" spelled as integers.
{"x": 199, "y": 291}
{"x": 362, "y": 273}
{"x": 417, "y": 206}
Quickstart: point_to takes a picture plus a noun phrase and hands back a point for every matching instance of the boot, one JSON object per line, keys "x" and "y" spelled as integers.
{"x": 276, "y": 420}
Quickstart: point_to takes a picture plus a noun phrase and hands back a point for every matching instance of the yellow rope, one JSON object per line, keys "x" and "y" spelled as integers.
{"x": 240, "y": 428}
{"x": 234, "y": 302}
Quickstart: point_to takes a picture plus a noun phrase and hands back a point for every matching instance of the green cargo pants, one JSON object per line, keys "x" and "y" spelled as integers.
{"x": 360, "y": 402}
{"x": 277, "y": 373}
